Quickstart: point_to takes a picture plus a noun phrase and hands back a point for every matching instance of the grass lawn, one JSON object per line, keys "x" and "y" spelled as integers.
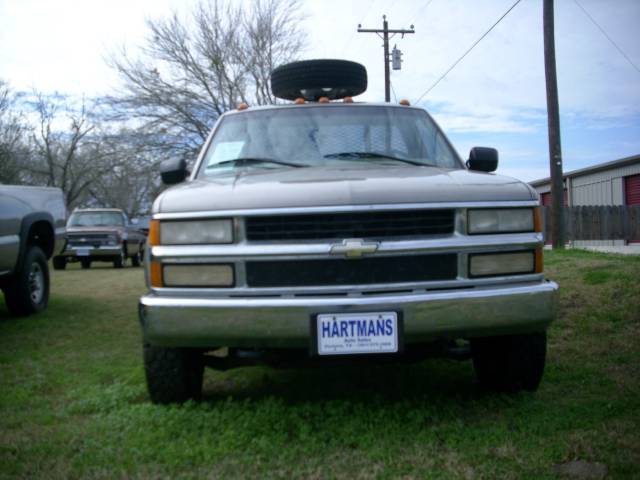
{"x": 73, "y": 401}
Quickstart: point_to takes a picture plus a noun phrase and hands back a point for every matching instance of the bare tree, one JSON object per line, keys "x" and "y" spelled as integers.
{"x": 191, "y": 71}
{"x": 70, "y": 158}
{"x": 132, "y": 182}
{"x": 12, "y": 132}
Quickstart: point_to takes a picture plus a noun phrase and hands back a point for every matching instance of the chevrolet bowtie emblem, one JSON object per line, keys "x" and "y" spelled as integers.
{"x": 354, "y": 248}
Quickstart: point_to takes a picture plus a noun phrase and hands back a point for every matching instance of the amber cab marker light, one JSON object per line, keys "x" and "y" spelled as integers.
{"x": 299, "y": 101}
{"x": 539, "y": 260}
{"x": 243, "y": 106}
{"x": 323, "y": 100}
{"x": 405, "y": 102}
{"x": 347, "y": 99}
{"x": 537, "y": 219}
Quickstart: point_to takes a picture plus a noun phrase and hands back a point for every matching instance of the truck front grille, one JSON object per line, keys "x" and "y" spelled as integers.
{"x": 87, "y": 240}
{"x": 365, "y": 271}
{"x": 374, "y": 225}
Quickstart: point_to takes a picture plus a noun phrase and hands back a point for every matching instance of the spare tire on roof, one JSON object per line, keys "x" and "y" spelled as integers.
{"x": 312, "y": 79}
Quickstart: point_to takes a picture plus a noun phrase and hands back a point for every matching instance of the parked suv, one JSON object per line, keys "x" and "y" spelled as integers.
{"x": 31, "y": 231}
{"x": 101, "y": 234}
{"x": 325, "y": 230}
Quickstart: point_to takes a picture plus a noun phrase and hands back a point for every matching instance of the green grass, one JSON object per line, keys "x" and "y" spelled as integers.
{"x": 73, "y": 401}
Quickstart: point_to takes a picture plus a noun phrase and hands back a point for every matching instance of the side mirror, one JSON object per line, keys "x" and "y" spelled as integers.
{"x": 173, "y": 171}
{"x": 483, "y": 159}
{"x": 135, "y": 221}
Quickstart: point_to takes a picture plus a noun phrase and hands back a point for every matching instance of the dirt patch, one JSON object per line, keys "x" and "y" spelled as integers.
{"x": 582, "y": 470}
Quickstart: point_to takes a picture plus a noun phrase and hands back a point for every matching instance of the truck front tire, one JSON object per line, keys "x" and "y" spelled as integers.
{"x": 59, "y": 263}
{"x": 174, "y": 375}
{"x": 510, "y": 363}
{"x": 121, "y": 260}
{"x": 28, "y": 291}
{"x": 136, "y": 260}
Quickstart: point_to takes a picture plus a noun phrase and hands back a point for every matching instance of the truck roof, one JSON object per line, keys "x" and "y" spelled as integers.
{"x": 79, "y": 210}
{"x": 333, "y": 104}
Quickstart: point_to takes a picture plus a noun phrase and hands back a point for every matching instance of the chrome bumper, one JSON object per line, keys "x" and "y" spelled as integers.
{"x": 286, "y": 322}
{"x": 103, "y": 251}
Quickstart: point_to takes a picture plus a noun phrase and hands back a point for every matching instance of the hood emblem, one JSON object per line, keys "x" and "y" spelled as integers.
{"x": 354, "y": 248}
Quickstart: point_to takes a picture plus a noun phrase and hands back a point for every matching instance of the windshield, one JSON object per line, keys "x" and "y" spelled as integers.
{"x": 96, "y": 219}
{"x": 327, "y": 135}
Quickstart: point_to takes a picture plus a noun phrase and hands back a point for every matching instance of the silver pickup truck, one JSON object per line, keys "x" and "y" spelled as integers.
{"x": 31, "y": 230}
{"x": 328, "y": 230}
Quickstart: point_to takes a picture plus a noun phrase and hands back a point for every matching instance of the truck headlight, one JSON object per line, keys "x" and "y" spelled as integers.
{"x": 500, "y": 220}
{"x": 220, "y": 275}
{"x": 112, "y": 240}
{"x": 510, "y": 263}
{"x": 196, "y": 232}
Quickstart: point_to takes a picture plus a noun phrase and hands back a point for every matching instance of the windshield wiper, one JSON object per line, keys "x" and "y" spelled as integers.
{"x": 350, "y": 155}
{"x": 254, "y": 160}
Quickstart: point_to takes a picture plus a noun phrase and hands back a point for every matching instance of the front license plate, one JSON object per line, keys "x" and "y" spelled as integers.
{"x": 355, "y": 333}
{"x": 83, "y": 252}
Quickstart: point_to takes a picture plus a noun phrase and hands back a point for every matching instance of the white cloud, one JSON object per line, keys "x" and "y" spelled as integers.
{"x": 498, "y": 88}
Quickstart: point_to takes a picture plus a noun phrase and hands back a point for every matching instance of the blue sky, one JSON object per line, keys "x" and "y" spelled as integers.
{"x": 494, "y": 97}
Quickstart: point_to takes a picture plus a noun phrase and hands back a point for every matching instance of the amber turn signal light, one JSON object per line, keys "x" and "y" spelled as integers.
{"x": 537, "y": 219}
{"x": 539, "y": 266}
{"x": 154, "y": 233}
{"x": 155, "y": 274}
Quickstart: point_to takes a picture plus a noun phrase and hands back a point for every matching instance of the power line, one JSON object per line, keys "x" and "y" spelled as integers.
{"x": 423, "y": 8}
{"x": 344, "y": 47}
{"x": 608, "y": 37}
{"x": 467, "y": 52}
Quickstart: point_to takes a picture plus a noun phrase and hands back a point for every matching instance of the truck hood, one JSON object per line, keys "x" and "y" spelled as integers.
{"x": 106, "y": 229}
{"x": 336, "y": 186}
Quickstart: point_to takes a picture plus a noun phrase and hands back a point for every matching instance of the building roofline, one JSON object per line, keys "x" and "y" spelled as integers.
{"x": 622, "y": 162}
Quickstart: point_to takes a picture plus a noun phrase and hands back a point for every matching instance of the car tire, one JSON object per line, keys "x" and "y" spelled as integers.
{"x": 510, "y": 363}
{"x": 59, "y": 263}
{"x": 136, "y": 260}
{"x": 85, "y": 263}
{"x": 120, "y": 261}
{"x": 28, "y": 291}
{"x": 174, "y": 375}
{"x": 344, "y": 78}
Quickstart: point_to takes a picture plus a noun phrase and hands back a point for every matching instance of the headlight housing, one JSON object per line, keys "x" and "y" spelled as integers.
{"x": 205, "y": 275}
{"x": 508, "y": 263}
{"x": 500, "y": 220}
{"x": 192, "y": 232}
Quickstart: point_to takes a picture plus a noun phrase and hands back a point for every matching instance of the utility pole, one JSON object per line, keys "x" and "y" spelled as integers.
{"x": 553, "y": 122}
{"x": 385, "y": 36}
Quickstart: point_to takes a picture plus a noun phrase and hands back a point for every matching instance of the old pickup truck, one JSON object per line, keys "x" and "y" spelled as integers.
{"x": 101, "y": 234}
{"x": 31, "y": 230}
{"x": 326, "y": 230}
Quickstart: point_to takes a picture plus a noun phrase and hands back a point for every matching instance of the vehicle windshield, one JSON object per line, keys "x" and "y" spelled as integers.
{"x": 327, "y": 135}
{"x": 96, "y": 219}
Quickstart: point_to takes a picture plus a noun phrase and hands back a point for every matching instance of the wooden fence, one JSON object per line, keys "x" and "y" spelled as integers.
{"x": 597, "y": 223}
